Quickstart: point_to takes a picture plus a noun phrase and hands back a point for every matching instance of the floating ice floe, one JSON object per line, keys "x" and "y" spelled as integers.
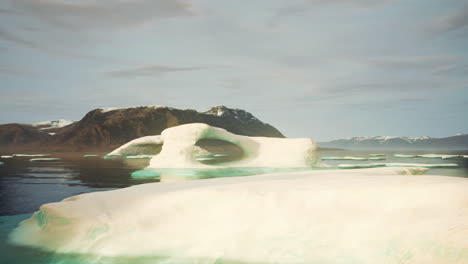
{"x": 360, "y": 166}
{"x": 31, "y": 155}
{"x": 305, "y": 217}
{"x": 45, "y": 159}
{"x": 90, "y": 155}
{"x": 343, "y": 158}
{"x": 423, "y": 165}
{"x": 112, "y": 156}
{"x": 377, "y": 155}
{"x": 377, "y": 158}
{"x": 6, "y": 157}
{"x": 139, "y": 157}
{"x": 179, "y": 149}
{"x": 419, "y": 165}
{"x": 439, "y": 156}
{"x": 404, "y": 156}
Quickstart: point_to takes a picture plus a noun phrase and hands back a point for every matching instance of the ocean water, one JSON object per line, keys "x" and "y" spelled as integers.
{"x": 26, "y": 185}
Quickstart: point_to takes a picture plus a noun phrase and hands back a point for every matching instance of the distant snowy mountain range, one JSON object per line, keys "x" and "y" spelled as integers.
{"x": 457, "y": 142}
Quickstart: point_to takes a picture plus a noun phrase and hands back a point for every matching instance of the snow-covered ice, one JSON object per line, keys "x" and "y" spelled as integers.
{"x": 404, "y": 156}
{"x": 380, "y": 215}
{"x": 6, "y": 157}
{"x": 31, "y": 155}
{"x": 423, "y": 165}
{"x": 439, "y": 156}
{"x": 54, "y": 124}
{"x": 360, "y": 166}
{"x": 45, "y": 159}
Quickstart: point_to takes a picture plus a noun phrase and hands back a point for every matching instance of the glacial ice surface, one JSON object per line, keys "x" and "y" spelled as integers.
{"x": 179, "y": 149}
{"x": 380, "y": 215}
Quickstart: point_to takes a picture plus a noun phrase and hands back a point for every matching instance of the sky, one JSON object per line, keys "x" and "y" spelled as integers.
{"x": 324, "y": 69}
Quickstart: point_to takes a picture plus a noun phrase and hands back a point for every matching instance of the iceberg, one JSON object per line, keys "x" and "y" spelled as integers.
{"x": 360, "y": 166}
{"x": 1, "y": 163}
{"x": 179, "y": 150}
{"x": 377, "y": 155}
{"x": 439, "y": 156}
{"x": 423, "y": 165}
{"x": 90, "y": 155}
{"x": 31, "y": 155}
{"x": 6, "y": 157}
{"x": 404, "y": 156}
{"x": 322, "y": 216}
{"x": 45, "y": 159}
{"x": 418, "y": 165}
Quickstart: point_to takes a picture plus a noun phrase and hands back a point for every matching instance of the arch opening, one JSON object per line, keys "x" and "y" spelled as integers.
{"x": 214, "y": 151}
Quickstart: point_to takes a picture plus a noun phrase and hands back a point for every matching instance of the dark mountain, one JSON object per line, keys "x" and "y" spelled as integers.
{"x": 458, "y": 142}
{"x": 105, "y": 129}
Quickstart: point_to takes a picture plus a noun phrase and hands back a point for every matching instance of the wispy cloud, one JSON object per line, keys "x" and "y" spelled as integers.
{"x": 306, "y": 5}
{"x": 10, "y": 37}
{"x": 153, "y": 71}
{"x": 103, "y": 14}
{"x": 455, "y": 21}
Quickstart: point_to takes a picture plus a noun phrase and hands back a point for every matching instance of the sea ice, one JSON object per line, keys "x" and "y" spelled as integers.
{"x": 360, "y": 166}
{"x": 437, "y": 156}
{"x": 423, "y": 165}
{"x": 343, "y": 158}
{"x": 377, "y": 158}
{"x": 179, "y": 149}
{"x": 322, "y": 216}
{"x": 90, "y": 155}
{"x": 404, "y": 156}
{"x": 376, "y": 155}
{"x": 45, "y": 159}
{"x": 6, "y": 157}
{"x": 31, "y": 155}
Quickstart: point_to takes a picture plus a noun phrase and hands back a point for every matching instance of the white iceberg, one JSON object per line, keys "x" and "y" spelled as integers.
{"x": 90, "y": 155}
{"x": 406, "y": 165}
{"x": 439, "y": 156}
{"x": 360, "y": 166}
{"x": 377, "y": 155}
{"x": 179, "y": 148}
{"x": 323, "y": 216}
{"x": 31, "y": 155}
{"x": 404, "y": 156}
{"x": 45, "y": 159}
{"x": 6, "y": 157}
{"x": 423, "y": 165}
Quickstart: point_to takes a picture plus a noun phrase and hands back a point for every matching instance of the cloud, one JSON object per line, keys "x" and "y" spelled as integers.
{"x": 102, "y": 14}
{"x": 152, "y": 71}
{"x": 306, "y": 5}
{"x": 10, "y": 37}
{"x": 413, "y": 62}
{"x": 455, "y": 21}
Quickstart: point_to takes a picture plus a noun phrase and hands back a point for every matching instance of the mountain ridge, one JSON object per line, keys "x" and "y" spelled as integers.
{"x": 457, "y": 142}
{"x": 103, "y": 129}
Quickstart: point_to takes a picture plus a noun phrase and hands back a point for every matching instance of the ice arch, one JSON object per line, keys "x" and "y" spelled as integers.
{"x": 179, "y": 146}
